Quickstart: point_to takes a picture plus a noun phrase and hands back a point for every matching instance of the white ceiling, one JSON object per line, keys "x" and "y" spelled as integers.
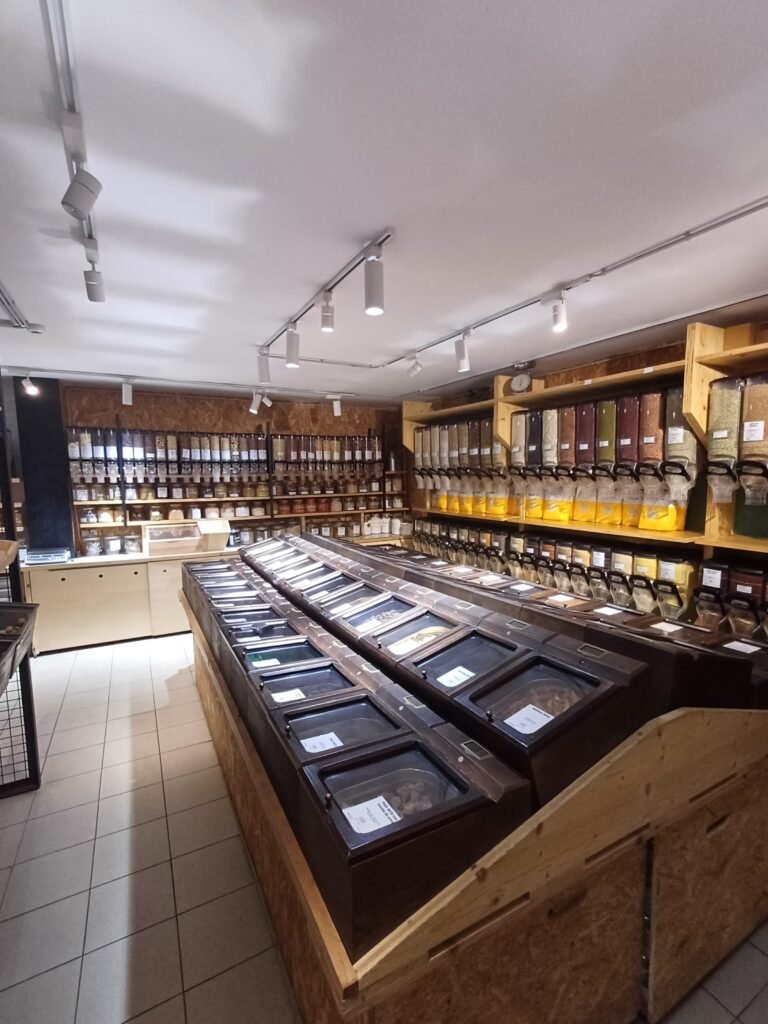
{"x": 249, "y": 148}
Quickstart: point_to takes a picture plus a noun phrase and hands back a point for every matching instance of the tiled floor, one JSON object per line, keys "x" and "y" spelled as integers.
{"x": 126, "y": 892}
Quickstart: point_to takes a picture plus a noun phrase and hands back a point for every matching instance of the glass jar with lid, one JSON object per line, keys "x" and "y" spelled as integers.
{"x": 92, "y": 545}
{"x": 336, "y": 504}
{"x": 146, "y": 492}
{"x": 195, "y": 512}
{"x": 156, "y": 514}
{"x": 212, "y": 512}
{"x": 176, "y": 514}
{"x": 88, "y": 515}
{"x": 242, "y": 509}
{"x": 258, "y": 508}
{"x": 105, "y": 515}
{"x": 227, "y": 510}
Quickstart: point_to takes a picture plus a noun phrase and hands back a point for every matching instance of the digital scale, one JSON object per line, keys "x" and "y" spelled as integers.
{"x": 48, "y": 556}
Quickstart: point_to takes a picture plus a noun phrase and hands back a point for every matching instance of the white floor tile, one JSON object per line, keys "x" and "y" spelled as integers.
{"x": 180, "y": 714}
{"x": 49, "y": 998}
{"x": 76, "y": 739}
{"x": 192, "y": 790}
{"x": 34, "y": 883}
{"x": 221, "y": 934}
{"x": 130, "y": 691}
{"x": 42, "y": 939}
{"x": 131, "y": 849}
{"x": 186, "y": 760}
{"x": 130, "y": 749}
{"x": 133, "y": 706}
{"x": 214, "y": 871}
{"x": 58, "y": 831}
{"x": 80, "y": 683}
{"x": 120, "y": 778}
{"x": 129, "y": 809}
{"x": 185, "y": 735}
{"x": 10, "y": 839}
{"x": 255, "y": 991}
{"x": 134, "y": 725}
{"x": 171, "y": 1012}
{"x": 201, "y": 826}
{"x": 737, "y": 981}
{"x": 128, "y": 905}
{"x": 88, "y": 699}
{"x": 85, "y": 716}
{"x": 126, "y": 978}
{"x": 46, "y": 723}
{"x": 175, "y": 697}
{"x": 14, "y": 809}
{"x": 63, "y": 793}
{"x": 48, "y": 705}
{"x": 173, "y": 681}
{"x": 73, "y": 762}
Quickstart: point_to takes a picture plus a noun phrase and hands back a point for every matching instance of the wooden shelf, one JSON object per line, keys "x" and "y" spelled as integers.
{"x": 585, "y": 390}
{"x": 436, "y": 415}
{"x": 742, "y": 360}
{"x": 735, "y": 542}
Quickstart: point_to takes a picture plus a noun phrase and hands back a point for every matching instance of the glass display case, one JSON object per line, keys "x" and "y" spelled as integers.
{"x": 185, "y": 538}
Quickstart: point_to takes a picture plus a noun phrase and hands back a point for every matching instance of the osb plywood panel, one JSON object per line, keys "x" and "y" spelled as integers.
{"x": 574, "y": 960}
{"x": 100, "y": 407}
{"x": 618, "y": 364}
{"x": 270, "y": 858}
{"x": 710, "y": 888}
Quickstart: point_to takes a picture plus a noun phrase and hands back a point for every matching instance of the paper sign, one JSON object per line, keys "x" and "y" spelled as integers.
{"x": 598, "y": 559}
{"x": 666, "y": 627}
{"x": 287, "y": 695}
{"x": 675, "y": 435}
{"x": 754, "y": 430}
{"x": 455, "y": 677}
{"x": 711, "y": 577}
{"x": 650, "y": 440}
{"x": 371, "y": 815}
{"x": 719, "y": 435}
{"x": 265, "y": 663}
{"x": 561, "y": 598}
{"x": 522, "y": 586}
{"x": 529, "y": 719}
{"x": 742, "y": 589}
{"x": 603, "y": 444}
{"x": 325, "y": 741}
{"x": 739, "y": 645}
{"x": 607, "y": 611}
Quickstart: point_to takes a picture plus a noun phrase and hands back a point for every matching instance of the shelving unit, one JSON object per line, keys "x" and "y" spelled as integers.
{"x": 710, "y": 353}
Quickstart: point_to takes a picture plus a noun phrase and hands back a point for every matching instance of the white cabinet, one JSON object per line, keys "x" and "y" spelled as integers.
{"x": 165, "y": 611}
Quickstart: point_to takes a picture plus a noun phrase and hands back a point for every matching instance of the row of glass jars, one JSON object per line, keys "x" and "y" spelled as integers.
{"x": 147, "y": 445}
{"x": 307, "y": 506}
{"x": 172, "y": 513}
{"x": 177, "y": 490}
{"x": 311, "y": 448}
{"x": 287, "y": 486}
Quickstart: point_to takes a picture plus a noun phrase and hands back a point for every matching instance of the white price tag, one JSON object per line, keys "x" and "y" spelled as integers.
{"x": 325, "y": 741}
{"x": 739, "y": 645}
{"x": 742, "y": 589}
{"x": 455, "y": 677}
{"x": 288, "y": 695}
{"x": 529, "y": 719}
{"x": 598, "y": 559}
{"x": 522, "y": 586}
{"x": 624, "y": 441}
{"x": 719, "y": 435}
{"x": 371, "y": 815}
{"x": 583, "y": 447}
{"x": 565, "y": 446}
{"x": 488, "y": 579}
{"x": 667, "y": 571}
{"x": 666, "y": 627}
{"x": 648, "y": 369}
{"x": 607, "y": 611}
{"x": 711, "y": 577}
{"x": 603, "y": 444}
{"x": 561, "y": 599}
{"x": 753, "y": 430}
{"x": 675, "y": 435}
{"x": 266, "y": 663}
{"x": 650, "y": 440}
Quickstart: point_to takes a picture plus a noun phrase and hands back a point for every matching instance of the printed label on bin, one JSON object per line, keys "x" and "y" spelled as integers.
{"x": 675, "y": 435}
{"x": 265, "y": 662}
{"x": 598, "y": 559}
{"x": 455, "y": 677}
{"x": 754, "y": 430}
{"x": 528, "y": 719}
{"x": 603, "y": 443}
{"x": 711, "y": 577}
{"x": 522, "y": 586}
{"x": 582, "y": 446}
{"x": 607, "y": 611}
{"x": 325, "y": 741}
{"x": 719, "y": 435}
{"x": 666, "y": 627}
{"x": 651, "y": 439}
{"x": 488, "y": 579}
{"x": 286, "y": 695}
{"x": 624, "y": 441}
{"x": 565, "y": 446}
{"x": 371, "y": 815}
{"x": 742, "y": 588}
{"x": 739, "y": 645}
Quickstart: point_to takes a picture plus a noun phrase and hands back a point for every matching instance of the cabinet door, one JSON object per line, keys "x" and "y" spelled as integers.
{"x": 166, "y": 612}
{"x": 90, "y": 605}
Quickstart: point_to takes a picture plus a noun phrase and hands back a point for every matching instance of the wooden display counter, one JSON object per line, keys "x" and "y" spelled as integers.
{"x": 613, "y": 900}
{"x": 103, "y": 599}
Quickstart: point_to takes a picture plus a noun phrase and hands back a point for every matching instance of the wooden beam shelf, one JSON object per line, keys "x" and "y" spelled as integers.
{"x": 451, "y": 413}
{"x": 585, "y": 390}
{"x": 738, "y": 361}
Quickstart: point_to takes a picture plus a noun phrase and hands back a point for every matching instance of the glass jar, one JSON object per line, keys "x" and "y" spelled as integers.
{"x": 81, "y": 492}
{"x": 73, "y": 443}
{"x": 517, "y": 449}
{"x": 227, "y": 510}
{"x": 249, "y": 490}
{"x": 310, "y": 504}
{"x": 348, "y": 505}
{"x": 88, "y": 515}
{"x": 323, "y": 504}
{"x": 212, "y": 512}
{"x": 105, "y": 515}
{"x": 135, "y": 515}
{"x": 474, "y": 444}
{"x": 680, "y": 441}
{"x": 754, "y": 425}
{"x": 233, "y": 490}
{"x": 283, "y": 508}
{"x": 262, "y": 488}
{"x": 652, "y": 408}
{"x": 113, "y": 544}
{"x": 176, "y": 514}
{"x": 156, "y": 514}
{"x": 177, "y": 491}
{"x": 92, "y": 546}
{"x": 586, "y": 416}
{"x": 486, "y": 442}
{"x": 219, "y": 490}
{"x": 146, "y": 492}
{"x": 606, "y": 432}
{"x": 259, "y": 509}
{"x": 242, "y": 510}
{"x": 298, "y": 506}
{"x": 192, "y": 491}
{"x": 336, "y": 504}
{"x": 195, "y": 512}
{"x": 131, "y": 492}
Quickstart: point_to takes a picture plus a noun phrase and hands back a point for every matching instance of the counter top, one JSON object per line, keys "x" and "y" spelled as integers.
{"x": 86, "y": 562}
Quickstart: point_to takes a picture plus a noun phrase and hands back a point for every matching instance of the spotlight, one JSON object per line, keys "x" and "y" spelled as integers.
{"x": 267, "y": 401}
{"x": 559, "y": 314}
{"x": 374, "y": 282}
{"x": 326, "y": 313}
{"x": 292, "y": 347}
{"x": 127, "y": 393}
{"x": 30, "y": 387}
{"x": 81, "y": 195}
{"x": 94, "y": 284}
{"x": 462, "y": 355}
{"x": 255, "y": 403}
{"x": 264, "y": 377}
{"x": 415, "y": 368}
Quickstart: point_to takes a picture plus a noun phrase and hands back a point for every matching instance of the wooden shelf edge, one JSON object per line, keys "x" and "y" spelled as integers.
{"x": 590, "y": 387}
{"x": 450, "y": 413}
{"x": 736, "y": 358}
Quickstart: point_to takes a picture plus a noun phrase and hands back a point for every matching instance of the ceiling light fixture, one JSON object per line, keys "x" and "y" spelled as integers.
{"x": 415, "y": 368}
{"x": 292, "y": 347}
{"x": 559, "y": 314}
{"x": 94, "y": 284}
{"x": 255, "y": 402}
{"x": 264, "y": 375}
{"x": 267, "y": 401}
{"x": 462, "y": 354}
{"x": 326, "y": 313}
{"x": 127, "y": 395}
{"x": 374, "y": 282}
{"x": 29, "y": 386}
{"x": 81, "y": 194}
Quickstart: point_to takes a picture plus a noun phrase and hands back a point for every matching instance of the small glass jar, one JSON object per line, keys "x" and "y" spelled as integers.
{"x": 348, "y": 505}
{"x": 310, "y": 505}
{"x": 323, "y": 504}
{"x": 88, "y": 515}
{"x": 258, "y": 509}
{"x": 131, "y": 493}
{"x": 242, "y": 510}
{"x": 92, "y": 546}
{"x": 98, "y": 492}
{"x": 156, "y": 514}
{"x": 227, "y": 510}
{"x": 283, "y": 508}
{"x": 297, "y": 506}
{"x": 262, "y": 488}
{"x": 206, "y": 491}
{"x": 212, "y": 512}
{"x": 105, "y": 515}
{"x": 195, "y": 512}
{"x": 113, "y": 544}
{"x": 220, "y": 491}
{"x": 82, "y": 492}
{"x": 176, "y": 514}
{"x": 146, "y": 492}
{"x": 233, "y": 490}
{"x": 135, "y": 515}
{"x": 192, "y": 491}
{"x": 249, "y": 490}
{"x": 336, "y": 504}
{"x": 177, "y": 491}
{"x": 132, "y": 544}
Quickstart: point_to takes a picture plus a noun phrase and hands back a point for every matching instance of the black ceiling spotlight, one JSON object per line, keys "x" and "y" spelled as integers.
{"x": 81, "y": 194}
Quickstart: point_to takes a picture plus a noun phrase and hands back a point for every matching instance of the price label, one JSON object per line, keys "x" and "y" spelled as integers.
{"x": 753, "y": 430}
{"x": 719, "y": 435}
{"x": 529, "y": 719}
{"x": 739, "y": 645}
{"x": 288, "y": 695}
{"x": 651, "y": 439}
{"x": 711, "y": 578}
{"x": 607, "y": 611}
{"x": 325, "y": 741}
{"x": 666, "y": 627}
{"x": 455, "y": 677}
{"x": 371, "y": 815}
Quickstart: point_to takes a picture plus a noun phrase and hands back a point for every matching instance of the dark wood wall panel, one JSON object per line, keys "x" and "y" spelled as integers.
{"x": 618, "y": 364}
